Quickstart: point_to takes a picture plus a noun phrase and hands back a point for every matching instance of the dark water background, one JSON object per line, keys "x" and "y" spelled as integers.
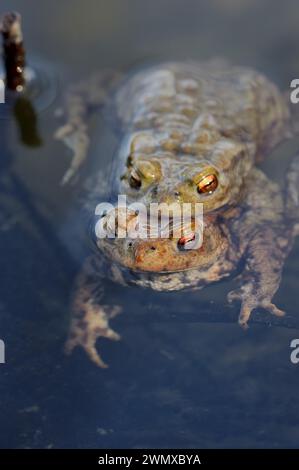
{"x": 184, "y": 374}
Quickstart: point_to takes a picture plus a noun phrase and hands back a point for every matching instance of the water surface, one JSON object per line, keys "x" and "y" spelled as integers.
{"x": 184, "y": 374}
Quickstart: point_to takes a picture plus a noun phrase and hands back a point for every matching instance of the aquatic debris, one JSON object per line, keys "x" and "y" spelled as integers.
{"x": 15, "y": 79}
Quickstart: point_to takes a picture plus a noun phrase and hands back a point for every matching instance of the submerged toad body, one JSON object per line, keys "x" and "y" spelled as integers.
{"x": 190, "y": 133}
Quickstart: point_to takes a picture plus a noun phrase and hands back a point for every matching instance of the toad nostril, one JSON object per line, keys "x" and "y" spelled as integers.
{"x": 177, "y": 193}
{"x": 153, "y": 248}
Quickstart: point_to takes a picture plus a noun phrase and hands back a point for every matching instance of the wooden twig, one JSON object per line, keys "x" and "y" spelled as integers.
{"x": 13, "y": 51}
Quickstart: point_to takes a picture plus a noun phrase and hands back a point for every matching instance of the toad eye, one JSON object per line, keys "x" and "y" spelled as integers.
{"x": 207, "y": 184}
{"x": 134, "y": 180}
{"x": 184, "y": 240}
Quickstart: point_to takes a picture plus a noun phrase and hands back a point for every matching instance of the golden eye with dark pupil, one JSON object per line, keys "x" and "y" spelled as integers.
{"x": 134, "y": 180}
{"x": 208, "y": 184}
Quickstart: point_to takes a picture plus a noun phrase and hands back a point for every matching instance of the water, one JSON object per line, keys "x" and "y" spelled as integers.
{"x": 184, "y": 374}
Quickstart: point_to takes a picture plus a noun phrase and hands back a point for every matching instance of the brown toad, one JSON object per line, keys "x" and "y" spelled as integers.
{"x": 190, "y": 133}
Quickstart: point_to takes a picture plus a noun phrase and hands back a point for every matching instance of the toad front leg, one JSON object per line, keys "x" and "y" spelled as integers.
{"x": 81, "y": 99}
{"x": 90, "y": 319}
{"x": 261, "y": 277}
{"x": 268, "y": 232}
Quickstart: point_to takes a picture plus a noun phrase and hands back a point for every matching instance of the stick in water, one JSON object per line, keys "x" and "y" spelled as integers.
{"x": 13, "y": 51}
